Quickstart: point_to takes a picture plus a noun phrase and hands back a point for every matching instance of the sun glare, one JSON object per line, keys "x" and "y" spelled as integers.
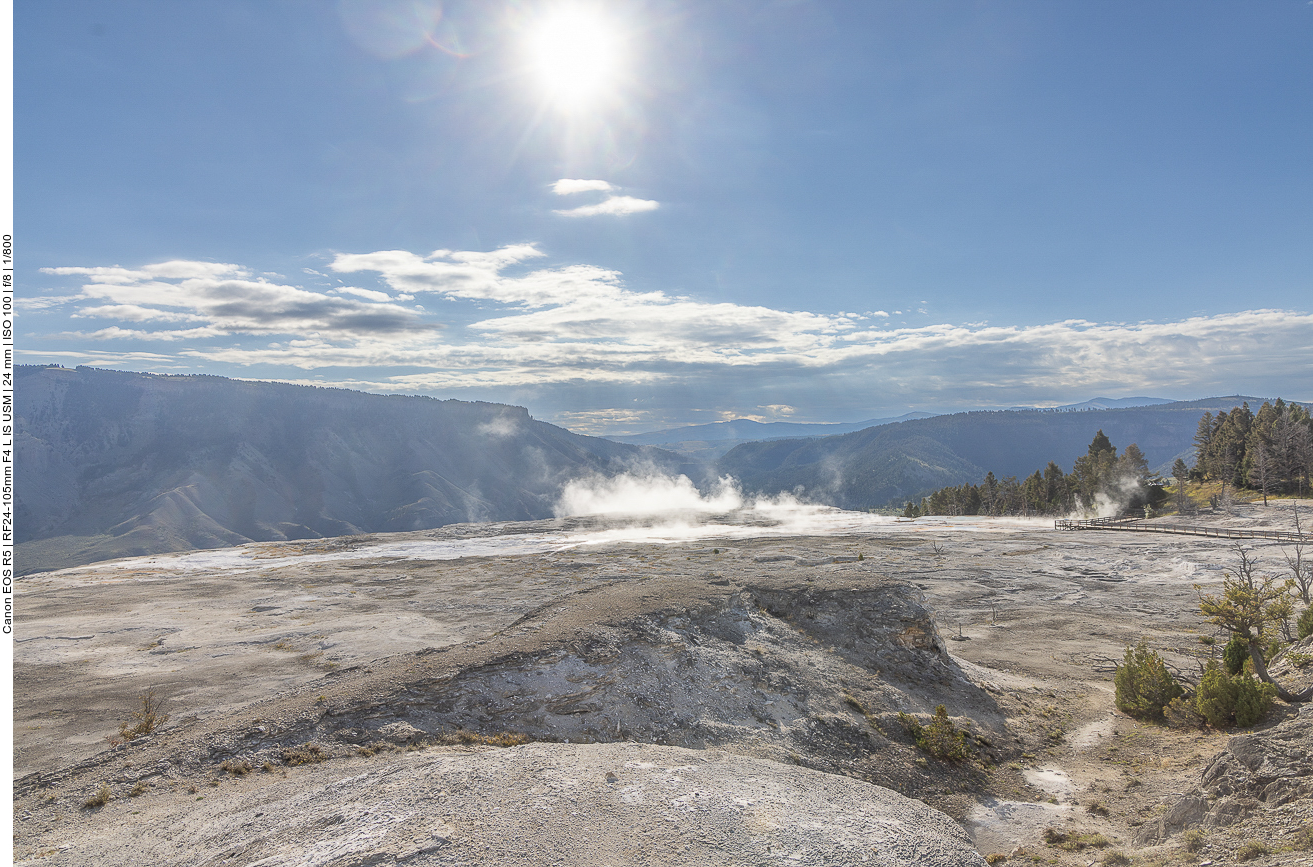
{"x": 575, "y": 54}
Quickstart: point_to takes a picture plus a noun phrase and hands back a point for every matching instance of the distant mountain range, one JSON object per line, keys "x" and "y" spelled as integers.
{"x": 885, "y": 466}
{"x": 114, "y": 464}
{"x": 707, "y": 441}
{"x": 1101, "y": 403}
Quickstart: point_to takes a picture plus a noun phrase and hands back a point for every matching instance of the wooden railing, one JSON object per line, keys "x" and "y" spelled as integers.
{"x": 1137, "y": 525}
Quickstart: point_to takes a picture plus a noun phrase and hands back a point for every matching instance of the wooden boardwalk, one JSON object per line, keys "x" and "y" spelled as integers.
{"x": 1138, "y": 525}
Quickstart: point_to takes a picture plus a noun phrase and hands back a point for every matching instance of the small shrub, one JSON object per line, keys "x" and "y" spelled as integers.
{"x": 1215, "y": 698}
{"x": 1143, "y": 684}
{"x": 100, "y": 799}
{"x": 1299, "y": 660}
{"x": 1303, "y": 839}
{"x": 1098, "y": 808}
{"x": 1074, "y": 842}
{"x": 236, "y": 767}
{"x": 940, "y": 738}
{"x": 1252, "y": 849}
{"x": 1180, "y": 713}
{"x": 1193, "y": 839}
{"x": 1235, "y": 654}
{"x": 305, "y": 754}
{"x": 1224, "y": 699}
{"x": 1207, "y": 640}
{"x": 138, "y": 788}
{"x": 1304, "y": 625}
{"x": 995, "y": 858}
{"x": 1116, "y": 858}
{"x": 147, "y": 718}
{"x": 1253, "y": 700}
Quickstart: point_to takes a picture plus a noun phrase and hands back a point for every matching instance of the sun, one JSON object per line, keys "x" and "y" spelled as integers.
{"x": 575, "y": 54}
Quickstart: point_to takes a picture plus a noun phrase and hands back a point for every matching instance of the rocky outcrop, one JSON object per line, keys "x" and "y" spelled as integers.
{"x": 1255, "y": 772}
{"x": 617, "y": 804}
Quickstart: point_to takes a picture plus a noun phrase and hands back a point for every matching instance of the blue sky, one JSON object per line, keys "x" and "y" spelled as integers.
{"x": 801, "y": 210}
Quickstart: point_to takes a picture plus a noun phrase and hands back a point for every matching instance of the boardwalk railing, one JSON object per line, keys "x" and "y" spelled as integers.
{"x": 1137, "y": 525}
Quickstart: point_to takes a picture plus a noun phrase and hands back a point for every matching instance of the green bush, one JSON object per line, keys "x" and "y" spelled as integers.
{"x": 1235, "y": 653}
{"x": 1215, "y": 698}
{"x": 940, "y": 738}
{"x": 1253, "y": 700}
{"x": 1223, "y": 699}
{"x": 1143, "y": 684}
{"x": 1304, "y": 624}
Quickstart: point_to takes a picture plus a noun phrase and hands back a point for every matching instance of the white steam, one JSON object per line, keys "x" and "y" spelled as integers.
{"x": 650, "y": 507}
{"x": 646, "y": 495}
{"x": 1112, "y": 501}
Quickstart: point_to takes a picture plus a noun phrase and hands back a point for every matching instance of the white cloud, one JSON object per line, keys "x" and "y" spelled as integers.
{"x": 226, "y": 300}
{"x": 613, "y": 206}
{"x": 579, "y": 327}
{"x": 567, "y": 186}
{"x": 371, "y": 294}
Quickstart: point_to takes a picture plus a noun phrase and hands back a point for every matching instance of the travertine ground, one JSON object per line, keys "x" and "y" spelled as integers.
{"x": 1034, "y": 619}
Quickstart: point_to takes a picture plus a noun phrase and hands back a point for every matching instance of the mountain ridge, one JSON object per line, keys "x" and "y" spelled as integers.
{"x": 118, "y": 464}
{"x": 883, "y": 467}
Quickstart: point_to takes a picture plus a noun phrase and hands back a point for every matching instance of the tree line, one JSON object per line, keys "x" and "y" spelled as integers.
{"x": 1098, "y": 478}
{"x": 1270, "y": 452}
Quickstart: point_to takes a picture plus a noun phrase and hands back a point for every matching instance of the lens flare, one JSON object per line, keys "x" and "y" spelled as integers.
{"x": 576, "y": 56}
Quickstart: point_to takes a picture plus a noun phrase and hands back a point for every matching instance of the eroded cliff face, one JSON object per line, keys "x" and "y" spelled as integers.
{"x": 817, "y": 674}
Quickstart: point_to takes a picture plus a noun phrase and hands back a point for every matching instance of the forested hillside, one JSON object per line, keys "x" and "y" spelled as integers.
{"x": 114, "y": 464}
{"x": 887, "y": 466}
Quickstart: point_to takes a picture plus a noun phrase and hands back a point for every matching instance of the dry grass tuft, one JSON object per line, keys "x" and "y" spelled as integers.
{"x": 305, "y": 754}
{"x": 100, "y": 799}
{"x": 147, "y": 718}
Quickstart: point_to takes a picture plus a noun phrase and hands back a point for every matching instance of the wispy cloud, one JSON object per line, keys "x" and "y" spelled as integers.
{"x": 567, "y": 186}
{"x": 613, "y": 206}
{"x": 580, "y": 327}
{"x": 228, "y": 300}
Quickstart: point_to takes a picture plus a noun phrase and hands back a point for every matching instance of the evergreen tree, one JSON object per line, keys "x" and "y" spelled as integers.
{"x": 1181, "y": 472}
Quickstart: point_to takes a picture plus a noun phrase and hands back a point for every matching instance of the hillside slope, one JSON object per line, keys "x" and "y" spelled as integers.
{"x": 885, "y": 466}
{"x": 115, "y": 464}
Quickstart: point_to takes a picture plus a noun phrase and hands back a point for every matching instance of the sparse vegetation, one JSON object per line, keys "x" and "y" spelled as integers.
{"x": 1252, "y": 849}
{"x": 940, "y": 738}
{"x": 138, "y": 788}
{"x": 1116, "y": 858}
{"x": 1143, "y": 684}
{"x": 148, "y": 717}
{"x": 1304, "y": 625}
{"x": 304, "y": 754}
{"x": 100, "y": 798}
{"x": 1074, "y": 841}
{"x": 1193, "y": 839}
{"x": 236, "y": 767}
